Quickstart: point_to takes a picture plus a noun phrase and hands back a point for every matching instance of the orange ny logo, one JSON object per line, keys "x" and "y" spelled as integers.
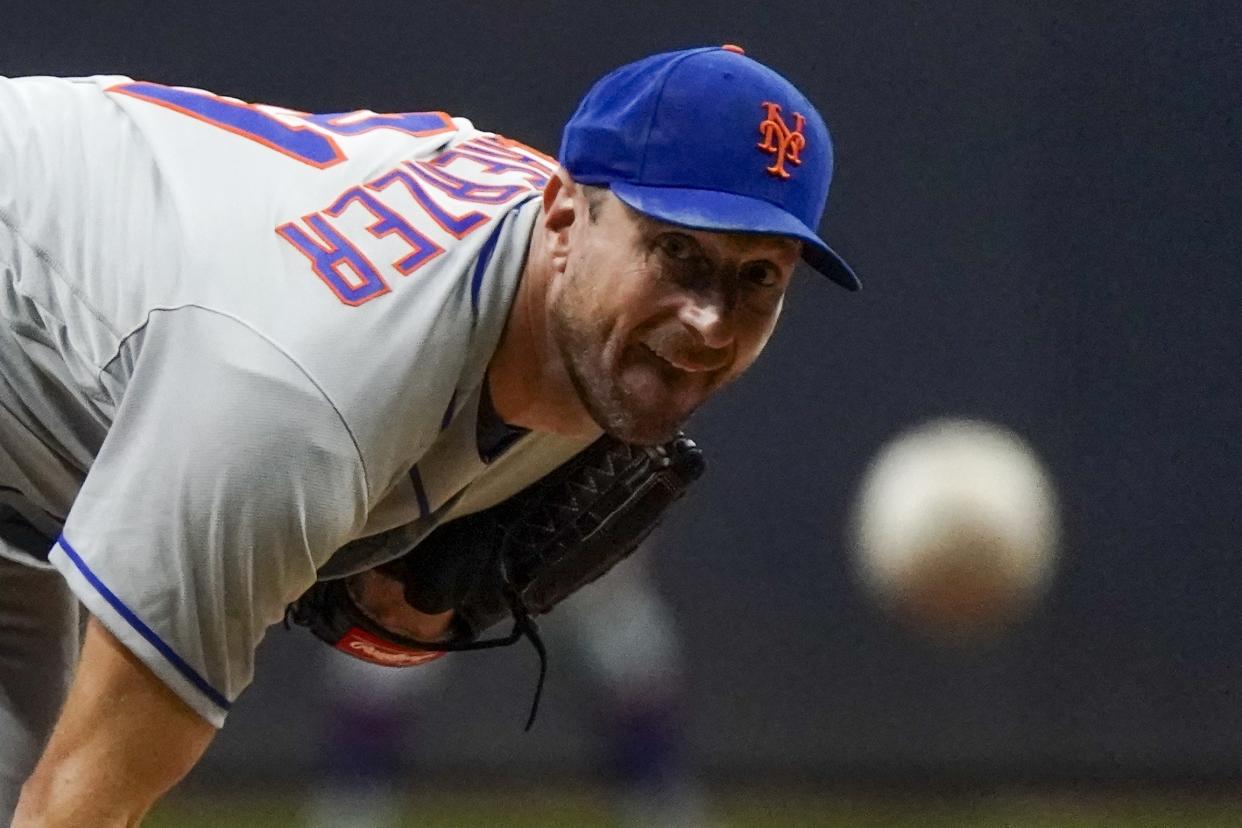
{"x": 780, "y": 140}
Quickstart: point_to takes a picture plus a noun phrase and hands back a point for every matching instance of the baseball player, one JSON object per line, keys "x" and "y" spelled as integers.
{"x": 253, "y": 357}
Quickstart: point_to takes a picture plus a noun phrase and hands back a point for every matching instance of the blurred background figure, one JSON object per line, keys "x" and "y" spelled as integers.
{"x": 623, "y": 633}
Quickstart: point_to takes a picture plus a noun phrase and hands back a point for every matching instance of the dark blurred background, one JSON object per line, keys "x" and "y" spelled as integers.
{"x": 1043, "y": 202}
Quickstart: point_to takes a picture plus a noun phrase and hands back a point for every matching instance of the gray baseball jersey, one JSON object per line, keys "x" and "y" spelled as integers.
{"x": 235, "y": 339}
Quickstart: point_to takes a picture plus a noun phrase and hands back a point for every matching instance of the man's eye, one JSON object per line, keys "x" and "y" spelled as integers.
{"x": 761, "y": 274}
{"x": 676, "y": 245}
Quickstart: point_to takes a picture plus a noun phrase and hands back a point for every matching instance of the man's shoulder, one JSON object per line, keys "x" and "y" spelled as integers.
{"x": 218, "y": 142}
{"x": 396, "y": 364}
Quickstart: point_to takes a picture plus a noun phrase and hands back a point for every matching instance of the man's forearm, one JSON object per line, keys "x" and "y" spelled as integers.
{"x": 123, "y": 739}
{"x": 70, "y": 794}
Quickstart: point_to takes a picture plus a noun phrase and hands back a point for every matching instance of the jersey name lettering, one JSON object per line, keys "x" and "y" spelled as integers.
{"x": 330, "y": 238}
{"x": 324, "y": 237}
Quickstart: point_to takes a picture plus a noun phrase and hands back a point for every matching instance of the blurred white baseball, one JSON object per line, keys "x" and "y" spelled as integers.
{"x": 956, "y": 528}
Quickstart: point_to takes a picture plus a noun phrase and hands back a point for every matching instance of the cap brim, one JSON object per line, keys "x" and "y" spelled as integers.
{"x": 731, "y": 213}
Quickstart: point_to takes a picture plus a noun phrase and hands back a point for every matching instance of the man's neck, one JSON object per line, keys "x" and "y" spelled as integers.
{"x": 526, "y": 376}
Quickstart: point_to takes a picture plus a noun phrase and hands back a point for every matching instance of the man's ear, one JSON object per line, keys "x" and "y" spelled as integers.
{"x": 559, "y": 195}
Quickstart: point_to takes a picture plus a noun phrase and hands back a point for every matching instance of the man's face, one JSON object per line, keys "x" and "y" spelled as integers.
{"x": 651, "y": 319}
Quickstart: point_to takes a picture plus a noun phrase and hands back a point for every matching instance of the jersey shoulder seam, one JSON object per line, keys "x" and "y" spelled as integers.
{"x": 353, "y": 439}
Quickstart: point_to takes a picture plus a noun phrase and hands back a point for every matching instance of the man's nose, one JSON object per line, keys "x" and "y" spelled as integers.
{"x": 709, "y": 317}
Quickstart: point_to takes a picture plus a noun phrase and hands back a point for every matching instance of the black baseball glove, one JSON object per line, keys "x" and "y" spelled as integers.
{"x": 518, "y": 559}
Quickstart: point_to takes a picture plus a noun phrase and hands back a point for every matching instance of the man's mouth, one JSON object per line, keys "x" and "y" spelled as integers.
{"x": 686, "y": 362}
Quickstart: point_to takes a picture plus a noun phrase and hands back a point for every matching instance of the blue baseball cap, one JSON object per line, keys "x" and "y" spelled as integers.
{"x": 712, "y": 140}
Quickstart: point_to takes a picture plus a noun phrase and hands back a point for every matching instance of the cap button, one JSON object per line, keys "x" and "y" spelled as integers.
{"x": 734, "y": 48}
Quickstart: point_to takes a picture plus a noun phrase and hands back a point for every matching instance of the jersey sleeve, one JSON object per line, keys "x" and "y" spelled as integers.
{"x": 225, "y": 480}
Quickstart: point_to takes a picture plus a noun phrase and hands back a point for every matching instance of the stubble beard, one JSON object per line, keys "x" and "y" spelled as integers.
{"x": 614, "y": 409}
